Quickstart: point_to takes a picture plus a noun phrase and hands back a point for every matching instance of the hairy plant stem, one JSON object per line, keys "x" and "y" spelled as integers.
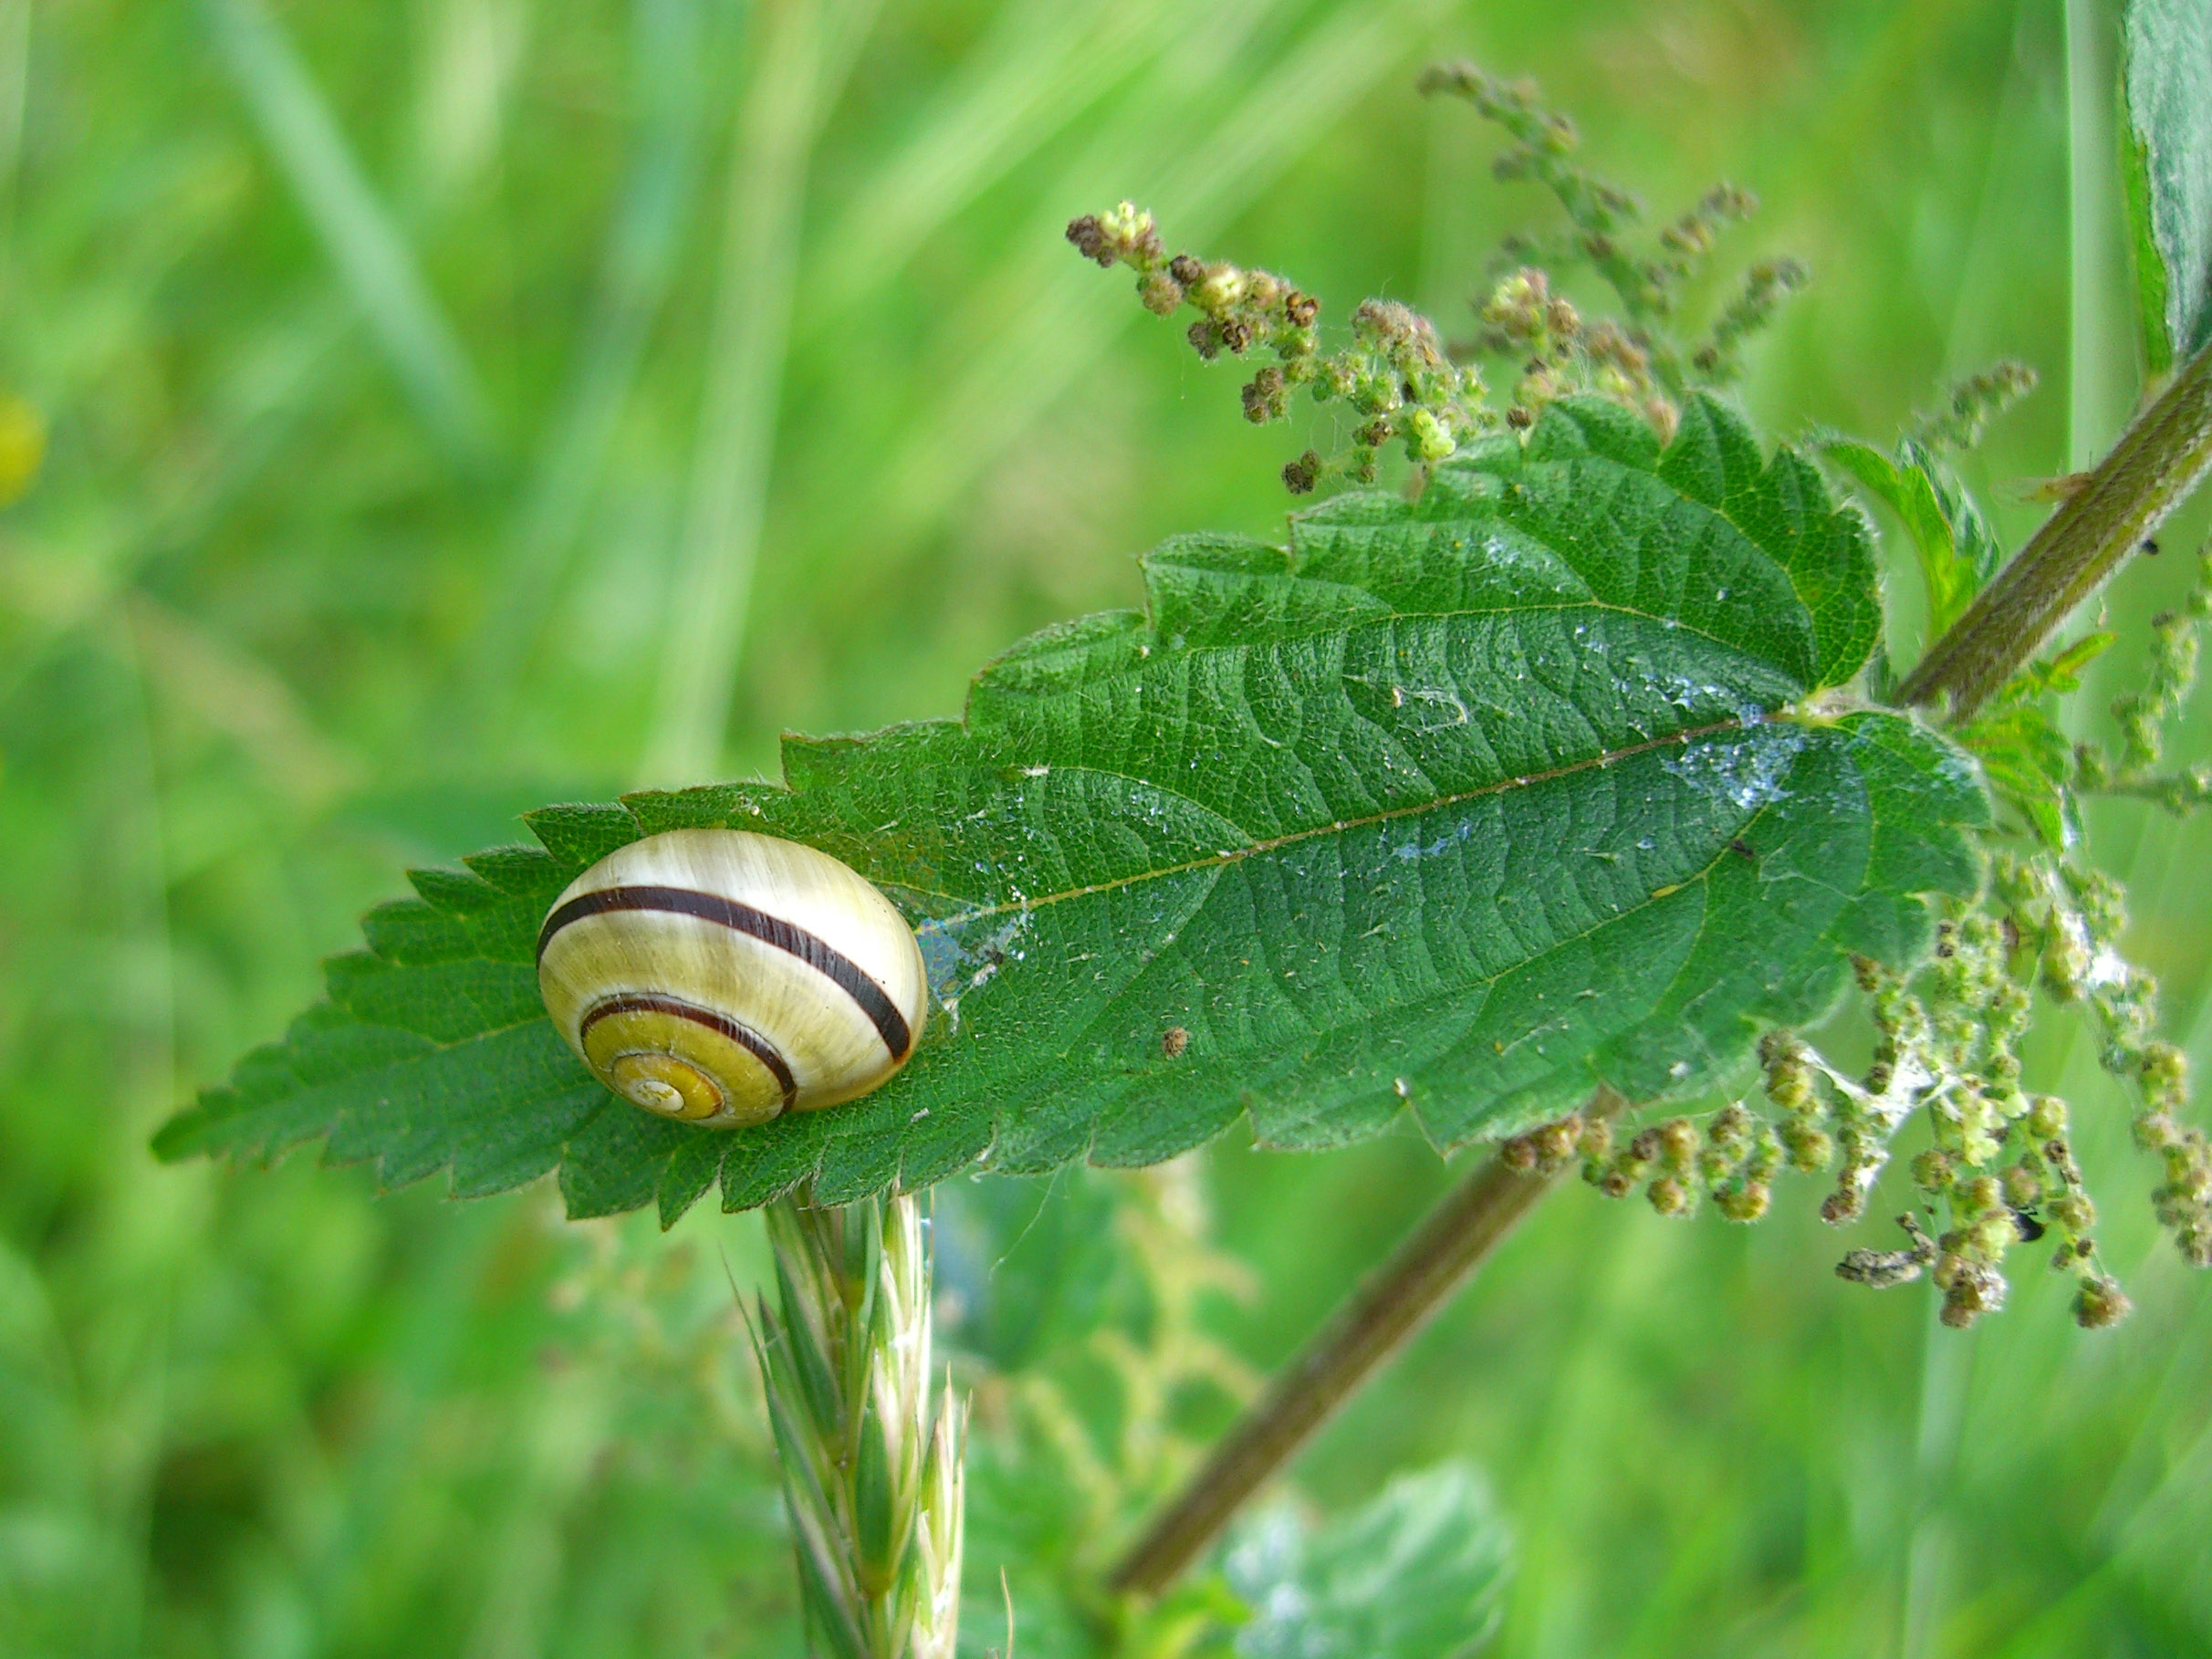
{"x": 2157, "y": 462}
{"x": 871, "y": 1452}
{"x": 1400, "y": 1297}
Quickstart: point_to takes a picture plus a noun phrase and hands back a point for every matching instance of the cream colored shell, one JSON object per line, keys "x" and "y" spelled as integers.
{"x": 723, "y": 977}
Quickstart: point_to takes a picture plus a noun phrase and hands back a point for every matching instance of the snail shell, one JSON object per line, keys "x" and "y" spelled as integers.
{"x": 722, "y": 977}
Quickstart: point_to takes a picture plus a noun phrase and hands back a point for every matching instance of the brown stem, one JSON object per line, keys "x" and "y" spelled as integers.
{"x": 1395, "y": 1302}
{"x": 2157, "y": 462}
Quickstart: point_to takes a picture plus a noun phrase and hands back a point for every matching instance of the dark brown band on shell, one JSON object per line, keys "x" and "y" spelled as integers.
{"x": 824, "y": 959}
{"x": 745, "y": 1037}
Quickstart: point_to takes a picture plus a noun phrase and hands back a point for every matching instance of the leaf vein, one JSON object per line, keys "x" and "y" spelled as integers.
{"x": 1344, "y": 826}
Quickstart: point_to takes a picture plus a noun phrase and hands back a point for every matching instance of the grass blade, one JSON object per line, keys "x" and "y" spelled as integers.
{"x": 1038, "y": 72}
{"x": 371, "y": 256}
{"x": 804, "y": 49}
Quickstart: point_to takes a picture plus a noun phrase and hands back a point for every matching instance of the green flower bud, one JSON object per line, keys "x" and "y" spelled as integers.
{"x": 1810, "y": 1150}
{"x": 2099, "y": 1303}
{"x": 1555, "y": 1142}
{"x": 1743, "y": 1204}
{"x": 1426, "y": 439}
{"x": 2073, "y": 1210}
{"x": 1933, "y": 1169}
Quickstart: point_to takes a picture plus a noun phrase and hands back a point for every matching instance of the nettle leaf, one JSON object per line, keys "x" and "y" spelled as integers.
{"x": 1957, "y": 550}
{"x": 1418, "y": 1573}
{"x": 2167, "y": 150}
{"x": 1450, "y": 810}
{"x": 2026, "y": 759}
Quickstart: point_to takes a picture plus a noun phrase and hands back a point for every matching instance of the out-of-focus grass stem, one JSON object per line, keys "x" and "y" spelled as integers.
{"x": 2186, "y": 1470}
{"x": 134, "y": 1399}
{"x": 1929, "y": 1544}
{"x": 15, "y": 85}
{"x": 801, "y": 53}
{"x": 2100, "y": 363}
{"x": 371, "y": 254}
{"x": 1037, "y": 71}
{"x": 673, "y": 51}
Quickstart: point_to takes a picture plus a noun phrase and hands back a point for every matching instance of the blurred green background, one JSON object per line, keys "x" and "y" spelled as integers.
{"x": 458, "y": 404}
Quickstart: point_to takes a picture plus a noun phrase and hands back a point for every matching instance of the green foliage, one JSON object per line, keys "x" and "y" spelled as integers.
{"x": 1957, "y": 550}
{"x": 2023, "y": 754}
{"x": 2167, "y": 146}
{"x": 1086, "y": 1416}
{"x": 1418, "y": 1573}
{"x": 2033, "y": 767}
{"x": 247, "y": 607}
{"x": 1307, "y": 813}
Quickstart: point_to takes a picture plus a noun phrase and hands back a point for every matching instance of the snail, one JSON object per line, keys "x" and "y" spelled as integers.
{"x": 722, "y": 977}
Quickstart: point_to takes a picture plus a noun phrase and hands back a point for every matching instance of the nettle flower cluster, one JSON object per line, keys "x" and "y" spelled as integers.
{"x": 1394, "y": 374}
{"x": 1523, "y": 318}
{"x": 1400, "y": 381}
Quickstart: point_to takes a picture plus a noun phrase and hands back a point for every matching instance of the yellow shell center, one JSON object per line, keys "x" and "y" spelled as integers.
{"x": 678, "y": 1067}
{"x": 662, "y": 1083}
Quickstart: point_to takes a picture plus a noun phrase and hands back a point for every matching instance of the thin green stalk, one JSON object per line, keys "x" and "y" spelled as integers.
{"x": 2150, "y": 472}
{"x": 871, "y": 1453}
{"x": 14, "y": 84}
{"x": 360, "y": 237}
{"x": 2100, "y": 364}
{"x": 674, "y": 55}
{"x": 804, "y": 53}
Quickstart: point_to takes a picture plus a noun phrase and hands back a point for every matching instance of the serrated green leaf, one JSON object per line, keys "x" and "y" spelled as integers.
{"x": 1419, "y": 1573}
{"x": 1957, "y": 550}
{"x": 2167, "y": 150}
{"x": 2068, "y": 664}
{"x": 1453, "y": 807}
{"x": 2029, "y": 763}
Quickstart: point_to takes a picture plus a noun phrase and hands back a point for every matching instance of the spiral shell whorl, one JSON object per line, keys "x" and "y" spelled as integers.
{"x": 722, "y": 977}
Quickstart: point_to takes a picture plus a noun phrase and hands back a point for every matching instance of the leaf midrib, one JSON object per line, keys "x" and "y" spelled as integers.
{"x": 1488, "y": 982}
{"x": 970, "y": 911}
